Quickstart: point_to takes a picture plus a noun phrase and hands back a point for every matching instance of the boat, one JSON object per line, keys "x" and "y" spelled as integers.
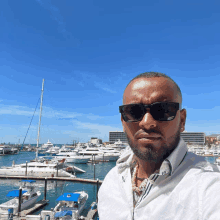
{"x": 44, "y": 148}
{"x": 66, "y": 151}
{"x": 6, "y": 150}
{"x": 97, "y": 154}
{"x": 53, "y": 150}
{"x": 70, "y": 204}
{"x": 73, "y": 158}
{"x": 37, "y": 169}
{"x": 119, "y": 145}
{"x": 29, "y": 198}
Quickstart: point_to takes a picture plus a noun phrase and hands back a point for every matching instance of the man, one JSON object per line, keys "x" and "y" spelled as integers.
{"x": 158, "y": 179}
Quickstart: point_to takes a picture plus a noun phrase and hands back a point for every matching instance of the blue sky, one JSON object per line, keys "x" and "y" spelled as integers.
{"x": 87, "y": 52}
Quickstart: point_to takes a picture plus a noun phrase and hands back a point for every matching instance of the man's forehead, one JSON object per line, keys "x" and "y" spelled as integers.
{"x": 166, "y": 87}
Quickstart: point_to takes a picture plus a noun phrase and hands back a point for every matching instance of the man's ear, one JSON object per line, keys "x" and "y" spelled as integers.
{"x": 183, "y": 119}
{"x": 122, "y": 121}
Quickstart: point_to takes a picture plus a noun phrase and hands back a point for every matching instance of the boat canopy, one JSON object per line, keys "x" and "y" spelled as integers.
{"x": 62, "y": 214}
{"x": 29, "y": 181}
{"x": 15, "y": 193}
{"x": 69, "y": 197}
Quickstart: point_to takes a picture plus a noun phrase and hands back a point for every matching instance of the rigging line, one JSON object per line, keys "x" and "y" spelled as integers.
{"x": 30, "y": 122}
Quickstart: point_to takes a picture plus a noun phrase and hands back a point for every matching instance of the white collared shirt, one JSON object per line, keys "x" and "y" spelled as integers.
{"x": 186, "y": 187}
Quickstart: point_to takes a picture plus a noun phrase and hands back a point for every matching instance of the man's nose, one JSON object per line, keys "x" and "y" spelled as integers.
{"x": 148, "y": 121}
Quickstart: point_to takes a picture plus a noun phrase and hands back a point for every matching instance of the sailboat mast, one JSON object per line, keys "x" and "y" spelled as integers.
{"x": 38, "y": 136}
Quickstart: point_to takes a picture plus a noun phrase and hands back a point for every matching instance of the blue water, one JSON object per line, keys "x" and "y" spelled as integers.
{"x": 55, "y": 188}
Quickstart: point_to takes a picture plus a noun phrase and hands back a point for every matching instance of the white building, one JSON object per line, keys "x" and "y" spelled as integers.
{"x": 193, "y": 137}
{"x": 116, "y": 135}
{"x": 95, "y": 140}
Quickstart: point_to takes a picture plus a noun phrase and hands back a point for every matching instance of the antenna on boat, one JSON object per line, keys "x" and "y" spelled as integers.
{"x": 41, "y": 103}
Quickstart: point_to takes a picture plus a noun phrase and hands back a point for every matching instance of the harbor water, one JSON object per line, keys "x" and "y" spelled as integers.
{"x": 57, "y": 188}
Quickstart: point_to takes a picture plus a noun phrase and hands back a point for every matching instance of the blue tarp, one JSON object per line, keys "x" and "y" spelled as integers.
{"x": 62, "y": 214}
{"x": 15, "y": 193}
{"x": 69, "y": 197}
{"x": 29, "y": 181}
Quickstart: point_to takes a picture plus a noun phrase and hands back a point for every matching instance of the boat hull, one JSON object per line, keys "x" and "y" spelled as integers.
{"x": 13, "y": 203}
{"x": 34, "y": 172}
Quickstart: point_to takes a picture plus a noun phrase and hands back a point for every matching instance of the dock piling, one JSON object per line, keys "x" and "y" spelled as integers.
{"x": 19, "y": 201}
{"x": 26, "y": 169}
{"x": 94, "y": 170}
{"x": 45, "y": 189}
{"x": 97, "y": 189}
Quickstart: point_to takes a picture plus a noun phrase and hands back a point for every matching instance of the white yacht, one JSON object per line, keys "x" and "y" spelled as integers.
{"x": 73, "y": 158}
{"x": 119, "y": 145}
{"x": 53, "y": 150}
{"x": 66, "y": 151}
{"x": 29, "y": 197}
{"x": 97, "y": 154}
{"x": 45, "y": 147}
{"x": 42, "y": 169}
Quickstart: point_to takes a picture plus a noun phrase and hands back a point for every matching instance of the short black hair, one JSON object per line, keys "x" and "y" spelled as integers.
{"x": 154, "y": 75}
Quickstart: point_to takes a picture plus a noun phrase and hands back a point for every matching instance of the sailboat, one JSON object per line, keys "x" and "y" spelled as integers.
{"x": 37, "y": 168}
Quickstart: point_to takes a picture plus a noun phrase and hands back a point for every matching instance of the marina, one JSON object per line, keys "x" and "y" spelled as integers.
{"x": 56, "y": 186}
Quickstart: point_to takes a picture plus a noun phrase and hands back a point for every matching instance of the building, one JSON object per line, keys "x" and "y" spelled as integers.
{"x": 193, "y": 137}
{"x": 212, "y": 139}
{"x": 116, "y": 135}
{"x": 95, "y": 140}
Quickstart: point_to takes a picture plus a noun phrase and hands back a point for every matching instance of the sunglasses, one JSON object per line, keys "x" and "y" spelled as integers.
{"x": 160, "y": 111}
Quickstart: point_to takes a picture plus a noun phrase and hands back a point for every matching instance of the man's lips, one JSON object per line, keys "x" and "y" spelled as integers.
{"x": 148, "y": 136}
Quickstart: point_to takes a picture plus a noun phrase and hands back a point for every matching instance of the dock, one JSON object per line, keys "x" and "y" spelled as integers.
{"x": 39, "y": 205}
{"x": 70, "y": 179}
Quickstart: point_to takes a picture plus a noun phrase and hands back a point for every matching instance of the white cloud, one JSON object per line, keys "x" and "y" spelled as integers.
{"x": 47, "y": 112}
{"x": 104, "y": 87}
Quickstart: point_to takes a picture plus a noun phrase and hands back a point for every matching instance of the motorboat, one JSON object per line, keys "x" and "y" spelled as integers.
{"x": 53, "y": 150}
{"x": 70, "y": 204}
{"x": 66, "y": 151}
{"x": 97, "y": 154}
{"x": 73, "y": 158}
{"x": 29, "y": 198}
{"x": 45, "y": 147}
{"x": 119, "y": 145}
{"x": 6, "y": 150}
{"x": 42, "y": 169}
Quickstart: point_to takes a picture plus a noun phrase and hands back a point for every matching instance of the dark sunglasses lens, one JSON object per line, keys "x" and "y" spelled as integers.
{"x": 133, "y": 112}
{"x": 164, "y": 111}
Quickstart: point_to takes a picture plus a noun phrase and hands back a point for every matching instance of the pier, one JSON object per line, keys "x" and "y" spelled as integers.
{"x": 39, "y": 205}
{"x": 79, "y": 180}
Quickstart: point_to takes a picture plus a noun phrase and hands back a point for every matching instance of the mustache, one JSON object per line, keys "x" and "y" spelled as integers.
{"x": 150, "y": 131}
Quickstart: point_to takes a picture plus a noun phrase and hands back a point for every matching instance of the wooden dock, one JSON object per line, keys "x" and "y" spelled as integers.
{"x": 70, "y": 179}
{"x": 40, "y": 204}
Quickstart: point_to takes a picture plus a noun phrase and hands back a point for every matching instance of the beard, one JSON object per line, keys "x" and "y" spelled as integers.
{"x": 151, "y": 154}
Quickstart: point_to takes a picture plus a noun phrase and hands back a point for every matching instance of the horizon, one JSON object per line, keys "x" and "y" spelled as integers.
{"x": 87, "y": 52}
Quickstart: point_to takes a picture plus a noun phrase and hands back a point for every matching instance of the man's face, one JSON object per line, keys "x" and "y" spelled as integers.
{"x": 149, "y": 139}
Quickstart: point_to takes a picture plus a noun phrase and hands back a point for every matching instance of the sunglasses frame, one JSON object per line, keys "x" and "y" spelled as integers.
{"x": 143, "y": 106}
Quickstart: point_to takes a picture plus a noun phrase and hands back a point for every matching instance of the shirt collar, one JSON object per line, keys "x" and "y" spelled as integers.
{"x": 176, "y": 157}
{"x": 168, "y": 166}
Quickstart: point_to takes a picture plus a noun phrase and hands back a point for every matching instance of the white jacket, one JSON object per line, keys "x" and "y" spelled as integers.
{"x": 189, "y": 191}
